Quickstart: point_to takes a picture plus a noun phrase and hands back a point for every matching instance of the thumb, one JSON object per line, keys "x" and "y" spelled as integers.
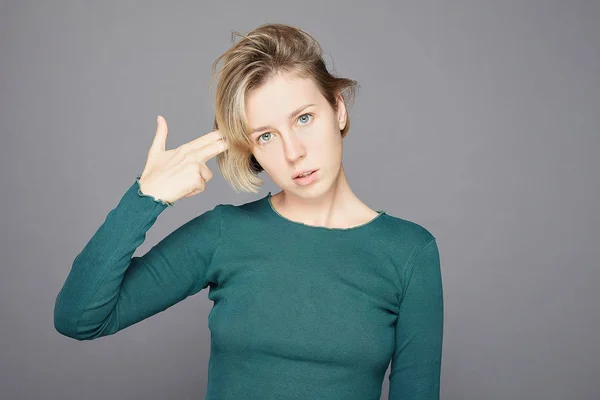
{"x": 160, "y": 138}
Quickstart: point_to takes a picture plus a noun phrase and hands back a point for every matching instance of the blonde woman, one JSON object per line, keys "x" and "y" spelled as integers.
{"x": 314, "y": 292}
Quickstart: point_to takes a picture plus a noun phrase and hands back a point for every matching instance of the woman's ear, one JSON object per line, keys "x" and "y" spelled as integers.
{"x": 341, "y": 111}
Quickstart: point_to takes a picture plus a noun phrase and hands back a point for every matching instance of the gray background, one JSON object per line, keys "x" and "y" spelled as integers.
{"x": 476, "y": 119}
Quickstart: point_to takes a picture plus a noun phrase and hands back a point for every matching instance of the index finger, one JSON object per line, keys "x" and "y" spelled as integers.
{"x": 209, "y": 151}
{"x": 204, "y": 140}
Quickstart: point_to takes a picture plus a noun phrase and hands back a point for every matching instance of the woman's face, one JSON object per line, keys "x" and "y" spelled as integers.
{"x": 289, "y": 138}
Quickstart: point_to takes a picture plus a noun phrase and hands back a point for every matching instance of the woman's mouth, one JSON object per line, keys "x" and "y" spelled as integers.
{"x": 307, "y": 179}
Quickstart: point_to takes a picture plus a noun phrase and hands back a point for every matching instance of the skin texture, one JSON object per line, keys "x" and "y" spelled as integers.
{"x": 291, "y": 145}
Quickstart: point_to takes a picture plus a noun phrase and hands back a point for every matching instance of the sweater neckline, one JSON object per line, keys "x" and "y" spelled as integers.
{"x": 267, "y": 199}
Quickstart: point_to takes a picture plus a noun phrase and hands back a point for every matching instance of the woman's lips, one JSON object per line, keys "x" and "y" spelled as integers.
{"x": 306, "y": 180}
{"x": 297, "y": 175}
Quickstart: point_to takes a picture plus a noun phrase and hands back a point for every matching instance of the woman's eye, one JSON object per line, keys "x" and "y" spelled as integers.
{"x": 266, "y": 133}
{"x": 307, "y": 114}
{"x": 269, "y": 133}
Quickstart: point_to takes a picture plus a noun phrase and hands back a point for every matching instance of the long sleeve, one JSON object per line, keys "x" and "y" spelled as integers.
{"x": 108, "y": 290}
{"x": 416, "y": 361}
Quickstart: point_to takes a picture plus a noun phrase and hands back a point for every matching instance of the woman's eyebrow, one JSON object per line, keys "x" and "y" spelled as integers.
{"x": 292, "y": 115}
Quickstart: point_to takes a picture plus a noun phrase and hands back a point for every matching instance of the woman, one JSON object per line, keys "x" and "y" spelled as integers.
{"x": 314, "y": 292}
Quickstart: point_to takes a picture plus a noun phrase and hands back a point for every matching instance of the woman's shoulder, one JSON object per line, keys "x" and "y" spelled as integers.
{"x": 407, "y": 230}
{"x": 248, "y": 207}
{"x": 242, "y": 215}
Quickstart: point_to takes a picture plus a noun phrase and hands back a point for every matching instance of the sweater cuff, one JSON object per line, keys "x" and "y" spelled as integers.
{"x": 139, "y": 191}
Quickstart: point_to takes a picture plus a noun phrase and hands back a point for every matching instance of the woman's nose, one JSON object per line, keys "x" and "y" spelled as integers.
{"x": 293, "y": 147}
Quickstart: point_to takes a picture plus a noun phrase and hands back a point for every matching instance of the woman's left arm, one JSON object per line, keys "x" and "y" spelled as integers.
{"x": 416, "y": 361}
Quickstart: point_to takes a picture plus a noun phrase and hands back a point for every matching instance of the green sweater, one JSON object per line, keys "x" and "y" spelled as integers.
{"x": 299, "y": 311}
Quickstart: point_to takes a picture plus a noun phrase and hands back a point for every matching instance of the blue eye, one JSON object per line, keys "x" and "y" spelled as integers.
{"x": 266, "y": 133}
{"x": 269, "y": 133}
{"x": 305, "y": 115}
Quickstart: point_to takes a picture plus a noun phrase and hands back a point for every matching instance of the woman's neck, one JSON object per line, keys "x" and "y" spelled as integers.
{"x": 337, "y": 208}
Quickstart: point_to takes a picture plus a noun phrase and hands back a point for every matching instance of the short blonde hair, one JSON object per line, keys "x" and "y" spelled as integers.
{"x": 262, "y": 53}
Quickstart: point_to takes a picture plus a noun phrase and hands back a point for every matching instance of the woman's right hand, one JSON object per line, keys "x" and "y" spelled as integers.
{"x": 182, "y": 172}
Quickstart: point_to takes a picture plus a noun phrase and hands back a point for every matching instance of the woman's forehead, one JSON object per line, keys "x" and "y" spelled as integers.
{"x": 283, "y": 93}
